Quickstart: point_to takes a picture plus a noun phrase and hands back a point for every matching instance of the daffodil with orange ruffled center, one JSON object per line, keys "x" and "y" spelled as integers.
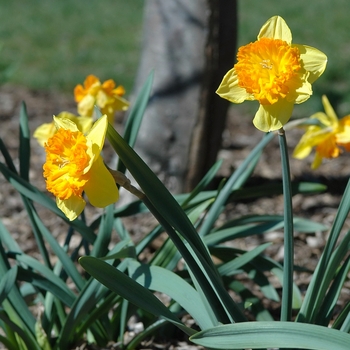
{"x": 105, "y": 95}
{"x": 275, "y": 72}
{"x": 74, "y": 165}
{"x": 326, "y": 133}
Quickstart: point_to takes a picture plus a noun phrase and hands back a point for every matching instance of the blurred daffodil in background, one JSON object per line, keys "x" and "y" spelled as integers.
{"x": 47, "y": 130}
{"x": 74, "y": 165}
{"x": 275, "y": 72}
{"x": 107, "y": 96}
{"x": 327, "y": 134}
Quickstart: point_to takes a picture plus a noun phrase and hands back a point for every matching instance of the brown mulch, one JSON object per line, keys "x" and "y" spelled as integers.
{"x": 237, "y": 143}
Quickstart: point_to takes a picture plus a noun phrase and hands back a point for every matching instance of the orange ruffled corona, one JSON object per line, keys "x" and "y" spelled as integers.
{"x": 105, "y": 95}
{"x": 329, "y": 135}
{"x": 274, "y": 72}
{"x": 74, "y": 165}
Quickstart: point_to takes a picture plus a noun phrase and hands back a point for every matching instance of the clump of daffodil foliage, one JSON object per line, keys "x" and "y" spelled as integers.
{"x": 197, "y": 267}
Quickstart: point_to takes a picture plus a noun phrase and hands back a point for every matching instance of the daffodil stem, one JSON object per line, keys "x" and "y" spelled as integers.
{"x": 287, "y": 290}
{"x": 123, "y": 181}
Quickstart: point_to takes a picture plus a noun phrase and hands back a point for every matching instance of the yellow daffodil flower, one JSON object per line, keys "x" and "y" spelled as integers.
{"x": 274, "y": 72}
{"x": 74, "y": 165}
{"x": 105, "y": 95}
{"x": 47, "y": 130}
{"x": 327, "y": 134}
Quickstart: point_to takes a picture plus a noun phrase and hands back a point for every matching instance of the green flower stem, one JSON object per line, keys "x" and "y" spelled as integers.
{"x": 287, "y": 291}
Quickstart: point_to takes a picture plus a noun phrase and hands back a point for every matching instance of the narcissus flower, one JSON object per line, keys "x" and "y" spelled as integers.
{"x": 275, "y": 72}
{"x": 74, "y": 165}
{"x": 329, "y": 135}
{"x": 105, "y": 95}
{"x": 47, "y": 130}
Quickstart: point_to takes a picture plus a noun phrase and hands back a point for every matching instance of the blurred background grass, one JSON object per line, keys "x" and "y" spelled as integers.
{"x": 55, "y": 44}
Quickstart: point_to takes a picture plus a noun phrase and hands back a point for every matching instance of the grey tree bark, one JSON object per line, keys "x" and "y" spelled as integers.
{"x": 190, "y": 45}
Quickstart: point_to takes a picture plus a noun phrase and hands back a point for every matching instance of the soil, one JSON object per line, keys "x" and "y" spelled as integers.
{"x": 237, "y": 143}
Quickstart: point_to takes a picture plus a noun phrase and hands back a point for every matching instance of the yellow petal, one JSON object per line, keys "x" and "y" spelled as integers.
{"x": 101, "y": 188}
{"x": 44, "y": 132}
{"x": 97, "y": 135}
{"x": 84, "y": 124}
{"x": 329, "y": 111}
{"x": 303, "y": 93}
{"x": 317, "y": 161}
{"x": 344, "y": 136}
{"x": 273, "y": 117}
{"x": 314, "y": 136}
{"x": 302, "y": 150}
{"x": 323, "y": 118}
{"x": 86, "y": 106}
{"x": 304, "y": 147}
{"x": 230, "y": 90}
{"x": 314, "y": 61}
{"x": 120, "y": 104}
{"x": 71, "y": 207}
{"x": 65, "y": 123}
{"x": 276, "y": 28}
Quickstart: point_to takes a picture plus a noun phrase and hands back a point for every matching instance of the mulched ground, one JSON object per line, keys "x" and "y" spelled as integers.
{"x": 237, "y": 144}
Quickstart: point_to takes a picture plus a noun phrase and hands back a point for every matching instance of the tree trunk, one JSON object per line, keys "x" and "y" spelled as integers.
{"x": 190, "y": 45}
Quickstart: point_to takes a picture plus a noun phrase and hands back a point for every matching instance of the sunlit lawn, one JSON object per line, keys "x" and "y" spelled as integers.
{"x": 55, "y": 44}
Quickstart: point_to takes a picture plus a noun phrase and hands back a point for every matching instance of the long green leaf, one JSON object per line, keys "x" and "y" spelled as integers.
{"x": 234, "y": 182}
{"x": 67, "y": 263}
{"x": 123, "y": 285}
{"x": 24, "y": 143}
{"x": 319, "y": 284}
{"x": 26, "y": 336}
{"x": 161, "y": 280}
{"x": 7, "y": 282}
{"x": 62, "y": 293}
{"x": 283, "y": 335}
{"x": 47, "y": 274}
{"x": 331, "y": 299}
{"x": 209, "y": 176}
{"x": 7, "y": 343}
{"x": 103, "y": 239}
{"x": 230, "y": 267}
{"x": 16, "y": 302}
{"x": 135, "y": 117}
{"x": 172, "y": 217}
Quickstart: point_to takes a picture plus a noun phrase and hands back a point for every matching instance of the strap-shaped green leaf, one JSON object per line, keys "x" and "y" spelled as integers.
{"x": 173, "y": 218}
{"x": 126, "y": 287}
{"x": 161, "y": 280}
{"x": 275, "y": 334}
{"x": 24, "y": 143}
{"x": 135, "y": 117}
{"x": 320, "y": 281}
{"x": 7, "y": 282}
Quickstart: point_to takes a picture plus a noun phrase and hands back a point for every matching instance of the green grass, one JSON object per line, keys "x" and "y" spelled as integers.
{"x": 55, "y": 44}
